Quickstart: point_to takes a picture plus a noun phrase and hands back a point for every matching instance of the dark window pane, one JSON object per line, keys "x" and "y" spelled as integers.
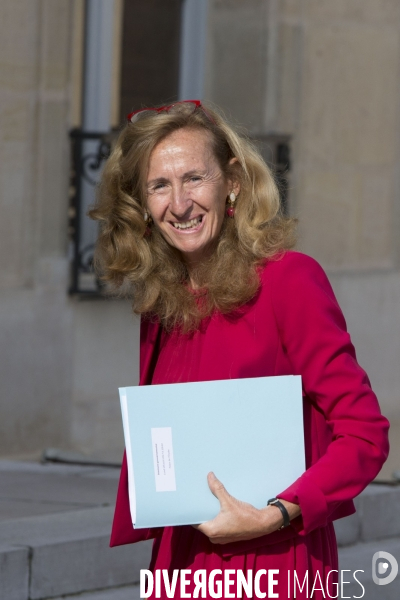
{"x": 150, "y": 53}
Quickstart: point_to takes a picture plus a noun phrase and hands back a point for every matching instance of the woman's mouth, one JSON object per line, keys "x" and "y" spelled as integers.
{"x": 192, "y": 224}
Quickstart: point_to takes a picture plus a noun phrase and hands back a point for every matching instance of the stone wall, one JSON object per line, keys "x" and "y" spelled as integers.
{"x": 61, "y": 360}
{"x": 35, "y": 363}
{"x": 346, "y": 125}
{"x": 328, "y": 73}
{"x": 325, "y": 72}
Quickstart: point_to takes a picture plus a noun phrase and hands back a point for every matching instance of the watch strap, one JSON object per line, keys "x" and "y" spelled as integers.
{"x": 285, "y": 514}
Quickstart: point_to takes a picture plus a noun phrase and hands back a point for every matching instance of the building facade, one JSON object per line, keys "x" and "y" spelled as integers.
{"x": 325, "y": 73}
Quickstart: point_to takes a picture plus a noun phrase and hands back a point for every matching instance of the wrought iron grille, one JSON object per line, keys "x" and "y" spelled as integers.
{"x": 89, "y": 152}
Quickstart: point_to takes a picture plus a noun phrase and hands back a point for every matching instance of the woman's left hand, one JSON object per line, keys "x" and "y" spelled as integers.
{"x": 238, "y": 521}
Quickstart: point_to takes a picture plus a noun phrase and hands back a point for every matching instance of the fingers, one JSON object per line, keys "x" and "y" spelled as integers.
{"x": 217, "y": 488}
{"x": 219, "y": 491}
{"x": 210, "y": 529}
{"x": 203, "y": 528}
{"x": 214, "y": 529}
{"x": 216, "y": 532}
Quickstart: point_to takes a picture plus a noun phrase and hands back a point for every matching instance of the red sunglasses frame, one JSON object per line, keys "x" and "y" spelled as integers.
{"x": 166, "y": 108}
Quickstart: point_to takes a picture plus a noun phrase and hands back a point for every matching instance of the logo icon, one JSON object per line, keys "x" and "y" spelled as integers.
{"x": 381, "y": 561}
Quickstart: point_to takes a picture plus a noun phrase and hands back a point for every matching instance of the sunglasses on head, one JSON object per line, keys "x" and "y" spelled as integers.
{"x": 191, "y": 105}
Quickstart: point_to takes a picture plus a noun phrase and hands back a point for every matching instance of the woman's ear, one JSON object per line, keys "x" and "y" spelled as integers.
{"x": 235, "y": 181}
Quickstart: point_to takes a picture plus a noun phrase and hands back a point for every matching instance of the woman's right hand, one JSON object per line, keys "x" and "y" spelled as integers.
{"x": 239, "y": 521}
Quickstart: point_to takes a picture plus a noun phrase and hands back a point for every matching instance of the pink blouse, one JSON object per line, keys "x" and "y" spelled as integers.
{"x": 294, "y": 325}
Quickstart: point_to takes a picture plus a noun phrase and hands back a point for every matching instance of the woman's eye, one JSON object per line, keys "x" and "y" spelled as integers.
{"x": 159, "y": 186}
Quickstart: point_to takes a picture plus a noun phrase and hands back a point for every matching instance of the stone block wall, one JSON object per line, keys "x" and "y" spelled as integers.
{"x": 328, "y": 74}
{"x": 325, "y": 72}
{"x": 35, "y": 320}
{"x": 61, "y": 360}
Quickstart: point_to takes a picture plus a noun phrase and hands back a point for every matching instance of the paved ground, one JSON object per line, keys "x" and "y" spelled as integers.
{"x": 55, "y": 521}
{"x": 124, "y": 593}
{"x": 30, "y": 489}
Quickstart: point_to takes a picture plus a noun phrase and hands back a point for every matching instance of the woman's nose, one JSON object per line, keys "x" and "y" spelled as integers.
{"x": 180, "y": 202}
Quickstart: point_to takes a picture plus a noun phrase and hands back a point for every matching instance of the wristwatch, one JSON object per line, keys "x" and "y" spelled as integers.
{"x": 285, "y": 514}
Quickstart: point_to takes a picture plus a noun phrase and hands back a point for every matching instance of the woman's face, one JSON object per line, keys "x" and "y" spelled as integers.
{"x": 187, "y": 191}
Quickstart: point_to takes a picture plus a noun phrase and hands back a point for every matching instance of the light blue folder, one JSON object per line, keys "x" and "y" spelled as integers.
{"x": 249, "y": 432}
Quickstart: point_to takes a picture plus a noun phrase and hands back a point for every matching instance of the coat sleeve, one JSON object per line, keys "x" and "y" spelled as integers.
{"x": 123, "y": 531}
{"x": 314, "y": 337}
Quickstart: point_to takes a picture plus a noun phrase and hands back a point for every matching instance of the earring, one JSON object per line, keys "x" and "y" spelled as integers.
{"x": 230, "y": 211}
{"x": 148, "y": 220}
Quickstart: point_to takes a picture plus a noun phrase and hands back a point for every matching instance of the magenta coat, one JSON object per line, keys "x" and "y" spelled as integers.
{"x": 294, "y": 325}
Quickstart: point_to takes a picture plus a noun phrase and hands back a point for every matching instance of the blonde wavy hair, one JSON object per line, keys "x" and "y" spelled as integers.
{"x": 146, "y": 265}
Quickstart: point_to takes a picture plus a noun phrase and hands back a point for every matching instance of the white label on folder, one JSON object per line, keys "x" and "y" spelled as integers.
{"x": 163, "y": 458}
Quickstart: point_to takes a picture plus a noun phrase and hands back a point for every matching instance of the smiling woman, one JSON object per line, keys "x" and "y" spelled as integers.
{"x": 166, "y": 191}
{"x": 186, "y": 194}
{"x": 186, "y": 203}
